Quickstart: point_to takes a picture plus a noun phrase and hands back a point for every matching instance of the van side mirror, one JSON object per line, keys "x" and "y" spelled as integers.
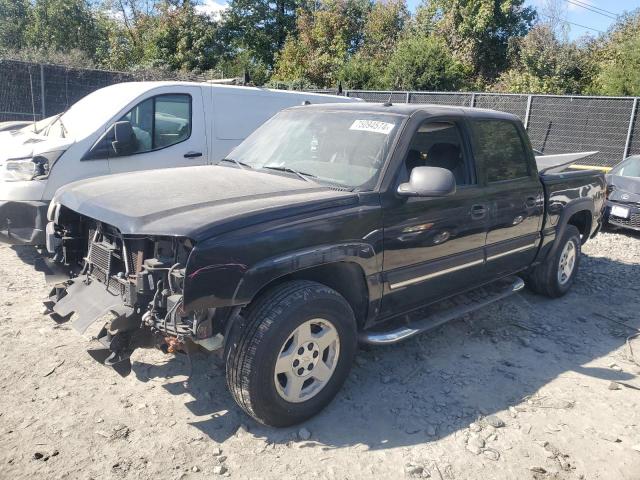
{"x": 428, "y": 182}
{"x": 124, "y": 138}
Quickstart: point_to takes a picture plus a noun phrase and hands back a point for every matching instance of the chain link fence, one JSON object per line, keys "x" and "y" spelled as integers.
{"x": 33, "y": 91}
{"x": 556, "y": 124}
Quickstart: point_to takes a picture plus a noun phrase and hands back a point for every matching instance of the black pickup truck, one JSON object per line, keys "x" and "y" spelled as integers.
{"x": 330, "y": 225}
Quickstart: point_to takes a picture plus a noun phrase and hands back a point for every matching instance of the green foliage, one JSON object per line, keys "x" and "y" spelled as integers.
{"x": 63, "y": 25}
{"x": 319, "y": 50}
{"x": 478, "y": 31}
{"x": 422, "y": 62}
{"x": 363, "y": 73}
{"x": 14, "y": 17}
{"x": 620, "y": 75}
{"x": 181, "y": 39}
{"x": 260, "y": 26}
{"x": 619, "y": 59}
{"x": 544, "y": 64}
{"x": 365, "y": 44}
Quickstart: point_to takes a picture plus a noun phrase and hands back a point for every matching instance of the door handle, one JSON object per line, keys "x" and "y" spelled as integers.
{"x": 478, "y": 211}
{"x": 531, "y": 202}
{"x": 192, "y": 154}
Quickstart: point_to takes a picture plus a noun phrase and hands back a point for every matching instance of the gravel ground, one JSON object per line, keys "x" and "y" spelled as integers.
{"x": 527, "y": 388}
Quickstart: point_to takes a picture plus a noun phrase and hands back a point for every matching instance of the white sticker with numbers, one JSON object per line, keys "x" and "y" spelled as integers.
{"x": 372, "y": 126}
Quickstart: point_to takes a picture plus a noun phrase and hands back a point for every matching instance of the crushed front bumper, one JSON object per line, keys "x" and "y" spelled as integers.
{"x": 632, "y": 222}
{"x": 23, "y": 222}
{"x": 90, "y": 301}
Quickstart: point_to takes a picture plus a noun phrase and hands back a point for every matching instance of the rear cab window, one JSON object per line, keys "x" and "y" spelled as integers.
{"x": 499, "y": 149}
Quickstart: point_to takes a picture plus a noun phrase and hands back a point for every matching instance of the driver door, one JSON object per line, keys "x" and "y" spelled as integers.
{"x": 434, "y": 247}
{"x": 169, "y": 130}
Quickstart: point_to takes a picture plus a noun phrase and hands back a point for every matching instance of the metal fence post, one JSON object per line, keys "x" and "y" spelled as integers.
{"x": 527, "y": 113}
{"x": 42, "y": 100}
{"x": 627, "y": 144}
{"x": 408, "y": 98}
{"x": 473, "y": 100}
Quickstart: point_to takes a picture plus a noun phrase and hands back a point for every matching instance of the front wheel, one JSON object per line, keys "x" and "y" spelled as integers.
{"x": 292, "y": 354}
{"x": 555, "y": 276}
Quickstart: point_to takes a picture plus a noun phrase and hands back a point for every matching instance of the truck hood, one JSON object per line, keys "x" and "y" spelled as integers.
{"x": 195, "y": 202}
{"x": 18, "y": 144}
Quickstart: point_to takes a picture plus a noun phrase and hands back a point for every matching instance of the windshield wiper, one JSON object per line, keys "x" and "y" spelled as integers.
{"x": 54, "y": 120}
{"x": 241, "y": 165}
{"x": 304, "y": 176}
{"x": 63, "y": 129}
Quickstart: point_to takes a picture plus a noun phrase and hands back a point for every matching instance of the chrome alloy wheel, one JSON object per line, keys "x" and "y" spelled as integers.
{"x": 307, "y": 360}
{"x": 567, "y": 263}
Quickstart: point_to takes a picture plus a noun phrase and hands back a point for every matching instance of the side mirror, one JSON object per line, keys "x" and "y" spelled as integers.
{"x": 428, "y": 182}
{"x": 124, "y": 138}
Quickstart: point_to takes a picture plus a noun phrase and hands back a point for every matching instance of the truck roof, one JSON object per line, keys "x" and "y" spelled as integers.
{"x": 408, "y": 109}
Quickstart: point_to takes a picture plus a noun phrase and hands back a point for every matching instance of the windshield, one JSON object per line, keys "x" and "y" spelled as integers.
{"x": 343, "y": 148}
{"x": 629, "y": 168}
{"x": 87, "y": 115}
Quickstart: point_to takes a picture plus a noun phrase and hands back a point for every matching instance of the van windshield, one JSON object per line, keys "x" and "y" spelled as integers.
{"x": 343, "y": 148}
{"x": 87, "y": 115}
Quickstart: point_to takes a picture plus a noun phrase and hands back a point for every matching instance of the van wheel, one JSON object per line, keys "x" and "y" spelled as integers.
{"x": 292, "y": 354}
{"x": 555, "y": 276}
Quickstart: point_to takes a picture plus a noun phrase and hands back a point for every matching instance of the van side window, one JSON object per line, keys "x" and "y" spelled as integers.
{"x": 160, "y": 122}
{"x": 498, "y": 146}
{"x": 439, "y": 144}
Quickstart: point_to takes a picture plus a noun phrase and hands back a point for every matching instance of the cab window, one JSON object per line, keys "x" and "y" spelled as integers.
{"x": 499, "y": 148}
{"x": 439, "y": 144}
{"x": 160, "y": 122}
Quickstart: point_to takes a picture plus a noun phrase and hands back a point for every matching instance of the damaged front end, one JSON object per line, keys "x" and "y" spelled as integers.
{"x": 135, "y": 281}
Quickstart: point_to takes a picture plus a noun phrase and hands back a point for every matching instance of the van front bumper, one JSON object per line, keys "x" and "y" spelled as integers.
{"x": 23, "y": 222}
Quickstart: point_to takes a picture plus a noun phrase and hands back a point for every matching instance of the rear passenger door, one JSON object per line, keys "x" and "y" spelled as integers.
{"x": 514, "y": 194}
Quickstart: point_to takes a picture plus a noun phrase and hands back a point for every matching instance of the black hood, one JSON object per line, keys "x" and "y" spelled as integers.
{"x": 195, "y": 202}
{"x": 625, "y": 189}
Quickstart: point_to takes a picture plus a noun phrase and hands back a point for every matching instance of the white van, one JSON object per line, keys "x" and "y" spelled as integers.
{"x": 122, "y": 128}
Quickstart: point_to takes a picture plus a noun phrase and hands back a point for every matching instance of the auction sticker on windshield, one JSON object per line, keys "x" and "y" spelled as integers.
{"x": 372, "y": 126}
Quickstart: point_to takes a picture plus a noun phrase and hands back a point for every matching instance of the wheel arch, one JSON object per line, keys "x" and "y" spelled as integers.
{"x": 578, "y": 213}
{"x": 344, "y": 268}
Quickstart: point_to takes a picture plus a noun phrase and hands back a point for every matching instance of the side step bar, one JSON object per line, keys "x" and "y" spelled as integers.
{"x": 452, "y": 308}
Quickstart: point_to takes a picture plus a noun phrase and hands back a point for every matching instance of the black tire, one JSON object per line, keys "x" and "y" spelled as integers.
{"x": 254, "y": 346}
{"x": 544, "y": 277}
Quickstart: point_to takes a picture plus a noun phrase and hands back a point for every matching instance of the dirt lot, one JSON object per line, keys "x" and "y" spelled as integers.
{"x": 528, "y": 388}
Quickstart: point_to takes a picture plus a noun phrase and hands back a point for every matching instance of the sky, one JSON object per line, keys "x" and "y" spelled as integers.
{"x": 582, "y": 16}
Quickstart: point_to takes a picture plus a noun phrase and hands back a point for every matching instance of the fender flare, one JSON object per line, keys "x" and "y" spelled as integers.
{"x": 573, "y": 207}
{"x": 268, "y": 270}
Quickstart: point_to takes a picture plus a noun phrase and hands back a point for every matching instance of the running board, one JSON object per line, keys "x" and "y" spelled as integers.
{"x": 442, "y": 312}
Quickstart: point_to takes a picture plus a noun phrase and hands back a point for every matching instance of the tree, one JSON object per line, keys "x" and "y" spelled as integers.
{"x": 64, "y": 25}
{"x": 477, "y": 31}
{"x": 319, "y": 50}
{"x": 182, "y": 39}
{"x": 424, "y": 62}
{"x": 383, "y": 26}
{"x": 618, "y": 58}
{"x": 545, "y": 64}
{"x": 14, "y": 17}
{"x": 260, "y": 26}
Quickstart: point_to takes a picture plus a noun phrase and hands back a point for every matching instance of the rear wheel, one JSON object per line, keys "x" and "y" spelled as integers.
{"x": 292, "y": 354}
{"x": 555, "y": 276}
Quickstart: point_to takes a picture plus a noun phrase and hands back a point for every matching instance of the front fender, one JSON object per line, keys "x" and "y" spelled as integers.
{"x": 266, "y": 271}
{"x": 235, "y": 283}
